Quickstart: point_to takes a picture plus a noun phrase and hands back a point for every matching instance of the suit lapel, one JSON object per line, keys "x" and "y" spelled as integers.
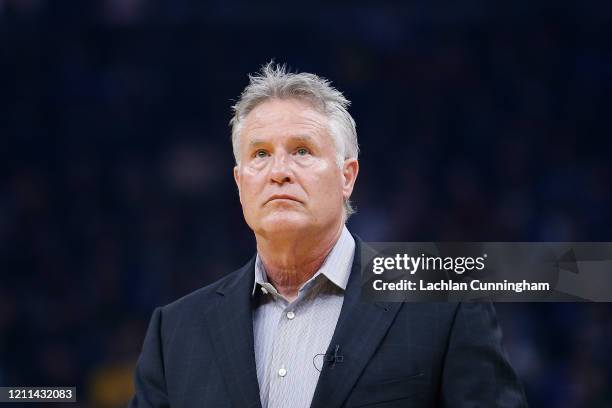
{"x": 361, "y": 327}
{"x": 231, "y": 332}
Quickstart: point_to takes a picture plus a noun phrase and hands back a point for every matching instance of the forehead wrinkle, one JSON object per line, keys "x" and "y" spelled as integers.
{"x": 303, "y": 129}
{"x": 304, "y": 124}
{"x": 264, "y": 115}
{"x": 297, "y": 138}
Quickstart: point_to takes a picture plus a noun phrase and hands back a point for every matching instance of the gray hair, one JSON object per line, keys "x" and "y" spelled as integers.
{"x": 274, "y": 81}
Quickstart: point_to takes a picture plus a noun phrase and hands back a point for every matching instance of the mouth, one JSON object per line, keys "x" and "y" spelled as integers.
{"x": 283, "y": 197}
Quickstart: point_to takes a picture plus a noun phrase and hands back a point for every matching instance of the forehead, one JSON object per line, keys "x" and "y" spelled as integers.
{"x": 284, "y": 117}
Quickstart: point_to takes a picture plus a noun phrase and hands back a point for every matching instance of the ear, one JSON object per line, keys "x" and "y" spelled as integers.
{"x": 237, "y": 178}
{"x": 350, "y": 169}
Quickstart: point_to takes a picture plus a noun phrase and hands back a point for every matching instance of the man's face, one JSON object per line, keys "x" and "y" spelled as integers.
{"x": 288, "y": 177}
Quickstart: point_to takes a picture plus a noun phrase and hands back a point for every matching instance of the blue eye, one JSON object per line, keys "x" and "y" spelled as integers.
{"x": 302, "y": 151}
{"x": 261, "y": 154}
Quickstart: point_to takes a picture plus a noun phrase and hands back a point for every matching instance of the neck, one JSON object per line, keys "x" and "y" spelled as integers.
{"x": 291, "y": 262}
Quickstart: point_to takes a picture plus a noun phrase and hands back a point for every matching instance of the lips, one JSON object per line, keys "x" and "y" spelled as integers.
{"x": 282, "y": 197}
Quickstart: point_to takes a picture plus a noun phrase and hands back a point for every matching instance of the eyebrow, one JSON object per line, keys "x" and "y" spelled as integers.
{"x": 297, "y": 138}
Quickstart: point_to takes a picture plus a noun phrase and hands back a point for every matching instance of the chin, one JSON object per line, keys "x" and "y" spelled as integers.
{"x": 285, "y": 223}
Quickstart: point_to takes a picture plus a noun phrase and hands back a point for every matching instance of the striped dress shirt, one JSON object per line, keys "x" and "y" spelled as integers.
{"x": 291, "y": 338}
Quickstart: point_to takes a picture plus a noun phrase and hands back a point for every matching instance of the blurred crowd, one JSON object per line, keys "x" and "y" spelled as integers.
{"x": 477, "y": 122}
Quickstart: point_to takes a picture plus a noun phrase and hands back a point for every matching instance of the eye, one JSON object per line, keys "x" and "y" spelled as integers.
{"x": 302, "y": 151}
{"x": 260, "y": 154}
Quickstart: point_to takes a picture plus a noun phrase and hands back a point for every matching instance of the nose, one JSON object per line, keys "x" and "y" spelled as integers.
{"x": 280, "y": 172}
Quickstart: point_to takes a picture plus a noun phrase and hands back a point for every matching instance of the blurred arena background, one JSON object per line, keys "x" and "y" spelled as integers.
{"x": 477, "y": 121}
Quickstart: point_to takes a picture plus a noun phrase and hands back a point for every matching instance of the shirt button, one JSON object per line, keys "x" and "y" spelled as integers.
{"x": 282, "y": 372}
{"x": 290, "y": 315}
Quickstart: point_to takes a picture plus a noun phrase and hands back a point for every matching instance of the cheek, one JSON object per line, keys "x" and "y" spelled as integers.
{"x": 248, "y": 186}
{"x": 252, "y": 170}
{"x": 328, "y": 185}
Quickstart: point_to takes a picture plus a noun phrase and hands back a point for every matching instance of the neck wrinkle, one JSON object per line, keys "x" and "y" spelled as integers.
{"x": 289, "y": 267}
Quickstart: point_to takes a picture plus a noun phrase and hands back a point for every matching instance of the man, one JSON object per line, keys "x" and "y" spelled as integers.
{"x": 288, "y": 329}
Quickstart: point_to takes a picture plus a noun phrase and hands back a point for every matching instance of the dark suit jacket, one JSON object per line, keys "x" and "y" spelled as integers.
{"x": 198, "y": 352}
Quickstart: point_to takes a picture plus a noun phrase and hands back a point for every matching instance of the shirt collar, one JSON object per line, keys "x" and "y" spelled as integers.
{"x": 336, "y": 267}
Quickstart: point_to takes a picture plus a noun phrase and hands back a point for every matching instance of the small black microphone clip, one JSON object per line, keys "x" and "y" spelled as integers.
{"x": 332, "y": 359}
